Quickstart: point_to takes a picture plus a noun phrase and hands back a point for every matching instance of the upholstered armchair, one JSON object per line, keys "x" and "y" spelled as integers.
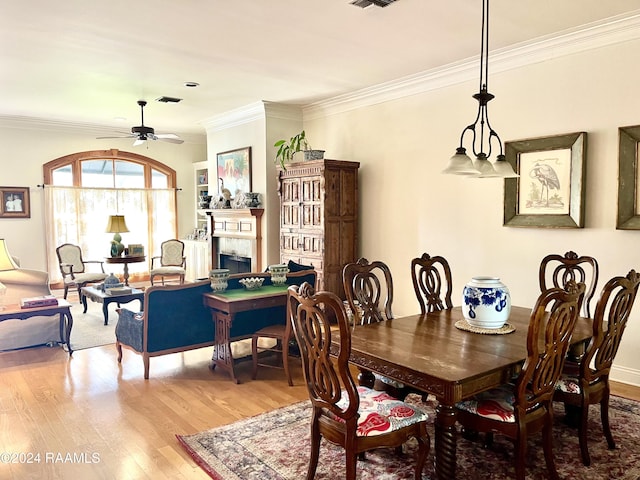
{"x": 171, "y": 262}
{"x": 74, "y": 268}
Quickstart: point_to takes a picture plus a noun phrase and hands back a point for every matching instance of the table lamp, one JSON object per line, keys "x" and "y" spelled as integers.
{"x": 6, "y": 261}
{"x": 116, "y": 225}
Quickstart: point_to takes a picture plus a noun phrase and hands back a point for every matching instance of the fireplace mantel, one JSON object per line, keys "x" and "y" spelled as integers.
{"x": 242, "y": 223}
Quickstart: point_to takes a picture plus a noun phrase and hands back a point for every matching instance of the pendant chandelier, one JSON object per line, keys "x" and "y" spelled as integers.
{"x": 460, "y": 163}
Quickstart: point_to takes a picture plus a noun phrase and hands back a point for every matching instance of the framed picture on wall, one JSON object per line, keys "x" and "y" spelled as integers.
{"x": 15, "y": 202}
{"x": 551, "y": 188}
{"x": 628, "y": 178}
{"x": 234, "y": 170}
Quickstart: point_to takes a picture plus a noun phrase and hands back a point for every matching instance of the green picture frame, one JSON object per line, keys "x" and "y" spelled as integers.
{"x": 550, "y": 192}
{"x": 628, "y": 144}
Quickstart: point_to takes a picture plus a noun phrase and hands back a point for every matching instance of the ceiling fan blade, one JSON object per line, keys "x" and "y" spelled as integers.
{"x": 121, "y": 136}
{"x": 168, "y": 137}
{"x": 171, "y": 140}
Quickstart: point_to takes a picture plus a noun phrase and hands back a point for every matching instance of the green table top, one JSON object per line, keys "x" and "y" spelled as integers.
{"x": 243, "y": 293}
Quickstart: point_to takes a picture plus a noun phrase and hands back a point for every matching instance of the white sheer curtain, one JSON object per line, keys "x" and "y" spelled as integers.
{"x": 79, "y": 216}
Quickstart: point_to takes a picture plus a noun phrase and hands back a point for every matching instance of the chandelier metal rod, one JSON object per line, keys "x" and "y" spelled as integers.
{"x": 483, "y": 96}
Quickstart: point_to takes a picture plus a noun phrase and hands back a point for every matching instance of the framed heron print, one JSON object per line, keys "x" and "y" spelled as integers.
{"x": 551, "y": 188}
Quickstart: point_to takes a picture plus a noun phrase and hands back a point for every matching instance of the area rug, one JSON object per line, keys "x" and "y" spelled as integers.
{"x": 89, "y": 329}
{"x": 275, "y": 446}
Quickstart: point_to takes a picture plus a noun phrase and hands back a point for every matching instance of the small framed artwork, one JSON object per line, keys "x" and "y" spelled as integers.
{"x": 551, "y": 188}
{"x": 15, "y": 202}
{"x": 136, "y": 250}
{"x": 234, "y": 170}
{"x": 628, "y": 179}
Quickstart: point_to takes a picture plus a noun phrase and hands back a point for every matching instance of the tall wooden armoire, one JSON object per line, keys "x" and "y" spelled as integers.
{"x": 319, "y": 217}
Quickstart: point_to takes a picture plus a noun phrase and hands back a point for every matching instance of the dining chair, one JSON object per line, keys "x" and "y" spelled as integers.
{"x": 432, "y": 282}
{"x": 523, "y": 408}
{"x": 170, "y": 263}
{"x": 280, "y": 334}
{"x": 556, "y": 270}
{"x": 587, "y": 382}
{"x": 74, "y": 268}
{"x": 355, "y": 417}
{"x": 368, "y": 288}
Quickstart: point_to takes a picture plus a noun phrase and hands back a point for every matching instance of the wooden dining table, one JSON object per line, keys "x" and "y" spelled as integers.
{"x": 428, "y": 352}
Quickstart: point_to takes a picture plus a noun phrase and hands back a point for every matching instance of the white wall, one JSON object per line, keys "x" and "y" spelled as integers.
{"x": 408, "y": 207}
{"x": 25, "y": 149}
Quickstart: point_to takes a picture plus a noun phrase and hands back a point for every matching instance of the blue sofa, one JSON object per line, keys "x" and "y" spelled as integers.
{"x": 175, "y": 318}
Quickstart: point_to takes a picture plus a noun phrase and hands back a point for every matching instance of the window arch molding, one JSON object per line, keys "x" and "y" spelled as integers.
{"x": 75, "y": 160}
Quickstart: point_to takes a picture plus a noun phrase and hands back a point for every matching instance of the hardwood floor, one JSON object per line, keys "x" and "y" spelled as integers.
{"x": 118, "y": 425}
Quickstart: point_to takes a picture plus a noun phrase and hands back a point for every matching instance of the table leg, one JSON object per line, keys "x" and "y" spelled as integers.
{"x": 83, "y": 298}
{"x": 126, "y": 274}
{"x": 105, "y": 311}
{"x": 445, "y": 442}
{"x": 222, "y": 356}
{"x": 66, "y": 322}
{"x": 366, "y": 378}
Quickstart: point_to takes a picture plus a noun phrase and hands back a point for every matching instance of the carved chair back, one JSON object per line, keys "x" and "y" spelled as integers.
{"x": 557, "y": 270}
{"x": 368, "y": 288}
{"x": 432, "y": 282}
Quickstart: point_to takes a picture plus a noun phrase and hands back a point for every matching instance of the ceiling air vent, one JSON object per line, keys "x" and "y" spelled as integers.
{"x": 369, "y": 3}
{"x": 168, "y": 99}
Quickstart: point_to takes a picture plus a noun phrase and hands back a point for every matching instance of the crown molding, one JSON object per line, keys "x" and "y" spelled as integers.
{"x": 607, "y": 32}
{"x": 76, "y": 128}
{"x": 251, "y": 113}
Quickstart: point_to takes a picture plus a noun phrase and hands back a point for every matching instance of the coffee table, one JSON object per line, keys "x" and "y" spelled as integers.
{"x": 99, "y": 296}
{"x": 63, "y": 308}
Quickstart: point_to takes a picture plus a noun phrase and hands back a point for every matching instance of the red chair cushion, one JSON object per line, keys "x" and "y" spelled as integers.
{"x": 381, "y": 413}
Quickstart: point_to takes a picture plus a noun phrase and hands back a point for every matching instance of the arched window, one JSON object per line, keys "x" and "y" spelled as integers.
{"x": 83, "y": 189}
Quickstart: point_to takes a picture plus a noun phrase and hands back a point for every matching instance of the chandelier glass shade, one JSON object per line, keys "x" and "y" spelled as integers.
{"x": 483, "y": 135}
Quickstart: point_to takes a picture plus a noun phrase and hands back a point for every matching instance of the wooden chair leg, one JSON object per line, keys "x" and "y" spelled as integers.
{"x": 119, "y": 349}
{"x": 285, "y": 362}
{"x": 254, "y": 356}
{"x": 315, "y": 450}
{"x": 604, "y": 416}
{"x": 582, "y": 433}
{"x": 547, "y": 445}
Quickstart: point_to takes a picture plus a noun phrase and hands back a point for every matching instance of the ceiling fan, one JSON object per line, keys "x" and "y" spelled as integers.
{"x": 143, "y": 133}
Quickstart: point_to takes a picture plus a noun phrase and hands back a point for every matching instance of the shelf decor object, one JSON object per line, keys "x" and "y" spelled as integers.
{"x": 551, "y": 189}
{"x": 481, "y": 167}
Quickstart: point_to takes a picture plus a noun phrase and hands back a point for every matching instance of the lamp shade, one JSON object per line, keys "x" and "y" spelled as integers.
{"x": 460, "y": 164}
{"x": 6, "y": 262}
{"x": 116, "y": 224}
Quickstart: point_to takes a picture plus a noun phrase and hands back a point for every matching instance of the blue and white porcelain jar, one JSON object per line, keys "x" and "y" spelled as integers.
{"x": 486, "y": 302}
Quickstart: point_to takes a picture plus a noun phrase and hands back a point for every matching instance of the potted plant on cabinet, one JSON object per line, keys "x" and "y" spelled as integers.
{"x": 297, "y": 143}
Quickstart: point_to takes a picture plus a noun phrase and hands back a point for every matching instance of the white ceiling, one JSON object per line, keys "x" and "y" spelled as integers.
{"x": 88, "y": 62}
